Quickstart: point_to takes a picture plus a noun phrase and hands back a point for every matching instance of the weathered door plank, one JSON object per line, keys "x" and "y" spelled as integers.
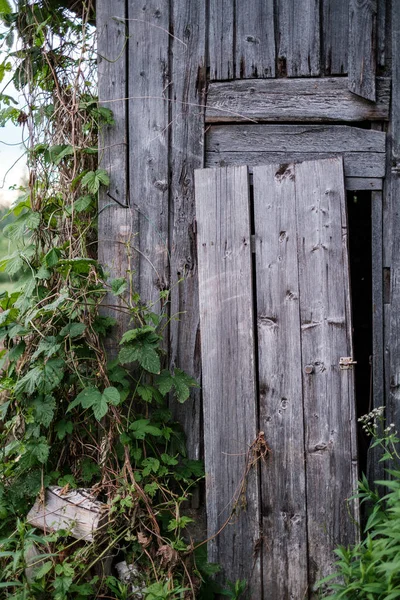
{"x": 324, "y": 99}
{"x": 362, "y": 48}
{"x": 228, "y": 361}
{"x": 280, "y": 386}
{"x": 255, "y": 39}
{"x": 330, "y": 443}
{"x": 335, "y": 39}
{"x": 222, "y": 39}
{"x": 298, "y": 35}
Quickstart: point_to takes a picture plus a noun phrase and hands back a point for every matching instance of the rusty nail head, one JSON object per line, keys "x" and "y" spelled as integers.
{"x": 309, "y": 369}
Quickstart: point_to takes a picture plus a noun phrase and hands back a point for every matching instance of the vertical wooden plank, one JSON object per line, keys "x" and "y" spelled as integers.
{"x": 228, "y": 362}
{"x": 330, "y": 442}
{"x": 375, "y": 467}
{"x": 255, "y": 39}
{"x": 148, "y": 80}
{"x": 335, "y": 36}
{"x": 393, "y": 404}
{"x": 222, "y": 39}
{"x": 298, "y": 36}
{"x": 280, "y": 383}
{"x": 396, "y": 81}
{"x": 381, "y": 32}
{"x": 186, "y": 154}
{"x": 362, "y": 48}
{"x": 113, "y": 154}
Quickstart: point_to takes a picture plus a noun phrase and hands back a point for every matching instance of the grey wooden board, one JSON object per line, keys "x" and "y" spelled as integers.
{"x": 280, "y": 384}
{"x": 393, "y": 401}
{"x": 113, "y": 221}
{"x": 325, "y": 99}
{"x": 396, "y": 80}
{"x": 329, "y": 403}
{"x": 362, "y": 48}
{"x": 363, "y": 183}
{"x": 295, "y": 138}
{"x": 228, "y": 362}
{"x": 255, "y": 39}
{"x": 335, "y": 38}
{"x": 356, "y": 164}
{"x": 221, "y": 39}
{"x": 298, "y": 38}
{"x": 375, "y": 468}
{"x": 148, "y": 123}
{"x": 381, "y": 32}
{"x": 186, "y": 154}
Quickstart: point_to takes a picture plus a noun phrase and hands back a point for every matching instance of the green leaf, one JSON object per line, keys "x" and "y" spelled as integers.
{"x": 141, "y": 428}
{"x": 112, "y": 396}
{"x": 44, "y": 410}
{"x": 74, "y": 330}
{"x": 52, "y": 257}
{"x": 94, "y": 179}
{"x": 88, "y": 397}
{"x": 145, "y": 392}
{"x": 83, "y": 203}
{"x": 5, "y": 7}
{"x": 47, "y": 346}
{"x": 100, "y": 408}
{"x": 53, "y": 373}
{"x": 118, "y": 286}
{"x": 134, "y": 334}
{"x": 40, "y": 450}
{"x": 150, "y": 464}
{"x": 29, "y": 382}
{"x": 43, "y": 570}
{"x": 63, "y": 428}
{"x": 179, "y": 381}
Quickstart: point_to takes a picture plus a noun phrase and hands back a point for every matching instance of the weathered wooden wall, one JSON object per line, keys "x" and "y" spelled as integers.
{"x": 179, "y": 76}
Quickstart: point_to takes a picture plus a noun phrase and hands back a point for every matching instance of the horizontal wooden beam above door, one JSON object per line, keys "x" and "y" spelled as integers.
{"x": 308, "y": 99}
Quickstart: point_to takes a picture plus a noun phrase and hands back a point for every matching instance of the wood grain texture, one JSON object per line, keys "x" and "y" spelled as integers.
{"x": 294, "y": 138}
{"x": 74, "y": 511}
{"x": 148, "y": 145}
{"x": 329, "y": 404}
{"x": 255, "y": 39}
{"x": 375, "y": 468}
{"x": 298, "y": 38}
{"x": 280, "y": 383}
{"x": 362, "y": 48}
{"x": 382, "y": 21}
{"x": 228, "y": 361}
{"x": 221, "y": 39}
{"x": 393, "y": 401}
{"x": 325, "y": 99}
{"x": 113, "y": 156}
{"x": 186, "y": 154}
{"x": 363, "y": 183}
{"x": 335, "y": 38}
{"x": 395, "y": 112}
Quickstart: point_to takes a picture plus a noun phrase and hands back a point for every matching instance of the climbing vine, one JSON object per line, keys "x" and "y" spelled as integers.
{"x": 70, "y": 421}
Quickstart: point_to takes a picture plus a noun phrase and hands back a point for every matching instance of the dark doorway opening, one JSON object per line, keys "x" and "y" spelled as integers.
{"x": 360, "y": 249}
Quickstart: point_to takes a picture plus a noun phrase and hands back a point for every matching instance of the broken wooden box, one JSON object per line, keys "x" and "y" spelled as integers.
{"x": 76, "y": 511}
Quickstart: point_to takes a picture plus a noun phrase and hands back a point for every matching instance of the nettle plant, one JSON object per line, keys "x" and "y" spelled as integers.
{"x": 67, "y": 416}
{"x": 370, "y": 570}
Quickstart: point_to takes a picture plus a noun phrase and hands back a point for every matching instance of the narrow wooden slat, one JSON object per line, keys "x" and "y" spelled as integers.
{"x": 255, "y": 39}
{"x": 222, "y": 39}
{"x": 329, "y": 407}
{"x": 148, "y": 140}
{"x": 363, "y": 183}
{"x": 113, "y": 155}
{"x": 186, "y": 154}
{"x": 280, "y": 384}
{"x": 375, "y": 467}
{"x": 325, "y": 99}
{"x": 298, "y": 38}
{"x": 362, "y": 48}
{"x": 335, "y": 38}
{"x": 382, "y": 33}
{"x": 356, "y": 164}
{"x": 294, "y": 138}
{"x": 228, "y": 362}
{"x": 396, "y": 80}
{"x": 393, "y": 401}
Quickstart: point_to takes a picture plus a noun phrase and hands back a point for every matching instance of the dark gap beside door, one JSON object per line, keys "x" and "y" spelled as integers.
{"x": 360, "y": 247}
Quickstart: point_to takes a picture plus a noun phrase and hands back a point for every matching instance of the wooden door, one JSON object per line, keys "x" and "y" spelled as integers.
{"x": 273, "y": 330}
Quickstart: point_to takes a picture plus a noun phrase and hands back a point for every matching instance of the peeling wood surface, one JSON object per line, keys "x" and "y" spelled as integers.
{"x": 395, "y": 113}
{"x": 393, "y": 401}
{"x": 325, "y": 99}
{"x": 229, "y": 391}
{"x": 284, "y": 511}
{"x": 362, "y": 48}
{"x": 75, "y": 511}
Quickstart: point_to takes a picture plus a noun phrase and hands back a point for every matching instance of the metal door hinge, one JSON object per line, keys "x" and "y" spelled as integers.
{"x": 346, "y": 362}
